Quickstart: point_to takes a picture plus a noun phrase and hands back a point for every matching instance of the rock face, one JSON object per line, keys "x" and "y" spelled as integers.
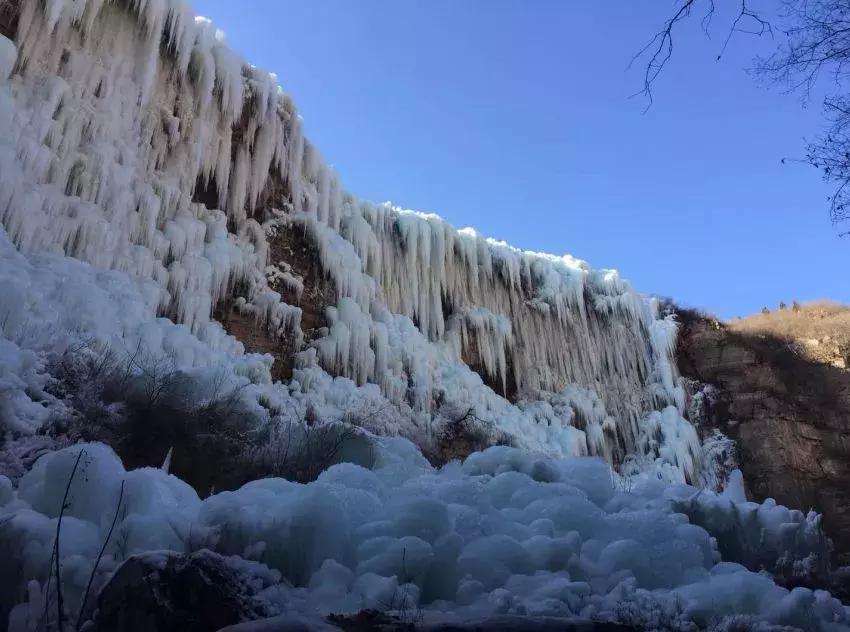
{"x": 8, "y": 19}
{"x": 170, "y": 592}
{"x": 785, "y": 401}
{"x": 296, "y": 273}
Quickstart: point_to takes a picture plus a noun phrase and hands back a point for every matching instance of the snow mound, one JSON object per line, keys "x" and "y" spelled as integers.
{"x": 503, "y": 533}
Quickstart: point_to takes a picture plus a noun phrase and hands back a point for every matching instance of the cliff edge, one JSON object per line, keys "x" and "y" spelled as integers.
{"x": 781, "y": 390}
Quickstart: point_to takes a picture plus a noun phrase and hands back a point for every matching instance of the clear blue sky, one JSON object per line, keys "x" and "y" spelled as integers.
{"x": 513, "y": 116}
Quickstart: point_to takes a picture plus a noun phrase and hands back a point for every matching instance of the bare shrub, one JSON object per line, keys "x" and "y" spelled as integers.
{"x": 461, "y": 433}
{"x": 146, "y": 408}
{"x": 143, "y": 406}
{"x": 19, "y": 453}
{"x": 404, "y": 606}
{"x": 645, "y": 612}
{"x": 298, "y": 447}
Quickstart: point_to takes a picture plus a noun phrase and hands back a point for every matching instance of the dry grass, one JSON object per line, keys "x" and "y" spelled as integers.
{"x": 813, "y": 320}
{"x": 820, "y": 330}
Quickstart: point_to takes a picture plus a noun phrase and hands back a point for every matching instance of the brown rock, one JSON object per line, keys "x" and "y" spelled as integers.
{"x": 293, "y": 247}
{"x": 171, "y": 592}
{"x": 787, "y": 409}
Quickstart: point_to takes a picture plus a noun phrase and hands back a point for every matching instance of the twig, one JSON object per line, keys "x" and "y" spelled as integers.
{"x": 99, "y": 556}
{"x": 662, "y": 42}
{"x": 59, "y": 604}
{"x": 746, "y": 13}
{"x": 659, "y": 49}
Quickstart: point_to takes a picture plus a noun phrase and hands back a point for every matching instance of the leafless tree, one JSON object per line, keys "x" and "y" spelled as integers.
{"x": 811, "y": 57}
{"x": 659, "y": 49}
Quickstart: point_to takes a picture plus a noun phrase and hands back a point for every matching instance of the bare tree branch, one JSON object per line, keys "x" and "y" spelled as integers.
{"x": 745, "y": 15}
{"x": 661, "y": 46}
{"x": 815, "y": 44}
{"x": 659, "y": 50}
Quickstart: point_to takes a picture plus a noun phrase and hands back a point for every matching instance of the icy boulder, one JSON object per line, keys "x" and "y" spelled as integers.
{"x": 505, "y": 534}
{"x": 173, "y": 592}
{"x": 768, "y": 536}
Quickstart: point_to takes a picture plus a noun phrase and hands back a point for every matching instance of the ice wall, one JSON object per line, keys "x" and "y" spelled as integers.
{"x": 136, "y": 140}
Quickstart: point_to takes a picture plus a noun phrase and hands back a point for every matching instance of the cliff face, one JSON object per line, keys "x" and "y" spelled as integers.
{"x": 138, "y": 141}
{"x": 783, "y": 394}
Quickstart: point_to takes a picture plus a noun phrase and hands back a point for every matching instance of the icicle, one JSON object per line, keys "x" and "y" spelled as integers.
{"x": 124, "y": 116}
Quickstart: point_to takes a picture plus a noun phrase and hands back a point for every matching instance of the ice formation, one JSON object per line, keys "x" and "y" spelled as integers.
{"x": 136, "y": 140}
{"x": 505, "y": 532}
{"x": 145, "y": 174}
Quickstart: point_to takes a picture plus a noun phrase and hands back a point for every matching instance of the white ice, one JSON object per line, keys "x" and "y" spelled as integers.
{"x": 504, "y": 532}
{"x": 109, "y": 135}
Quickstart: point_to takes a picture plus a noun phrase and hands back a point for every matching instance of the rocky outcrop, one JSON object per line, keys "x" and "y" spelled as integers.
{"x": 784, "y": 400}
{"x": 296, "y": 273}
{"x": 8, "y": 19}
{"x": 168, "y": 591}
{"x": 204, "y": 591}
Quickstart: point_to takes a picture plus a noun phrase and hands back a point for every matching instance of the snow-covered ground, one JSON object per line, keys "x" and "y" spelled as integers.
{"x": 504, "y": 532}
